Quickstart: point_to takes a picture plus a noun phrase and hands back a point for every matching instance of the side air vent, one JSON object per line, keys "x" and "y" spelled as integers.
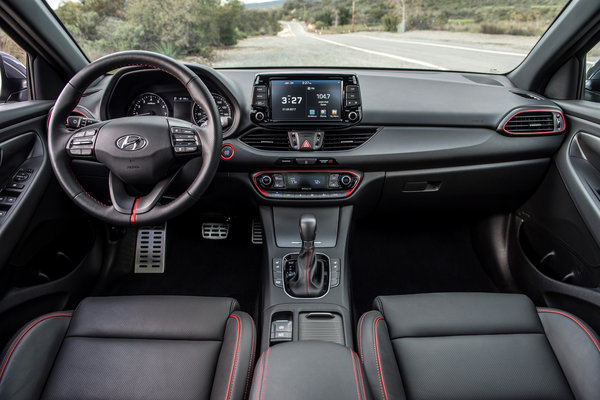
{"x": 267, "y": 140}
{"x": 534, "y": 122}
{"x": 346, "y": 140}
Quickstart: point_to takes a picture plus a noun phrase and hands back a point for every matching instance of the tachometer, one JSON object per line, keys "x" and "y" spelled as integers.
{"x": 223, "y": 106}
{"x": 149, "y": 104}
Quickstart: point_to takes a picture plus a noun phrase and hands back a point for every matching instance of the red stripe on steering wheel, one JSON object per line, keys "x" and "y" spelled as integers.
{"x": 132, "y": 219}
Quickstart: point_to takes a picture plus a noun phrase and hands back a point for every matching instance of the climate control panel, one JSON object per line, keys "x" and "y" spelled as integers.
{"x": 306, "y": 185}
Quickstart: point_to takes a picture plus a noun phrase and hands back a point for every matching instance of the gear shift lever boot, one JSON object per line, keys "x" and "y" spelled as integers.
{"x": 308, "y": 278}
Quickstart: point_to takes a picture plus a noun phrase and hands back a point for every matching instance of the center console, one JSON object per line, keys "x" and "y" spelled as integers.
{"x": 306, "y": 288}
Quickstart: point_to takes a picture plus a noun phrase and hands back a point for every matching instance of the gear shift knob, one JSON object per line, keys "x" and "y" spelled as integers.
{"x": 308, "y": 227}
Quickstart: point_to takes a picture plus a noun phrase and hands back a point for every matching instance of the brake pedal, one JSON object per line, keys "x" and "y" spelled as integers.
{"x": 150, "y": 250}
{"x": 257, "y": 232}
{"x": 215, "y": 230}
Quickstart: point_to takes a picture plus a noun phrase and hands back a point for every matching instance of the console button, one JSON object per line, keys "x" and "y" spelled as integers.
{"x": 13, "y": 185}
{"x": 2, "y": 213}
{"x": 352, "y": 96}
{"x": 351, "y": 88}
{"x": 306, "y": 161}
{"x": 351, "y": 103}
{"x": 227, "y": 152}
{"x": 260, "y": 89}
{"x": 283, "y": 326}
{"x": 335, "y": 278}
{"x": 335, "y": 264}
{"x": 285, "y": 161}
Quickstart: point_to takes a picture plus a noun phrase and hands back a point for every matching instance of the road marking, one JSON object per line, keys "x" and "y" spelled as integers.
{"x": 379, "y": 53}
{"x": 447, "y": 46}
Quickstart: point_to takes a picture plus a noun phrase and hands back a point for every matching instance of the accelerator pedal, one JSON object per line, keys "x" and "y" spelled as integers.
{"x": 150, "y": 250}
{"x": 215, "y": 230}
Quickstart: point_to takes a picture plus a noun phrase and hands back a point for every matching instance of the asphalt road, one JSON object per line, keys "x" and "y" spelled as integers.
{"x": 458, "y": 51}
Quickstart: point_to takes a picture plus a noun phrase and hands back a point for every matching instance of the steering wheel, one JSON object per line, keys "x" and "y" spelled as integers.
{"x": 144, "y": 154}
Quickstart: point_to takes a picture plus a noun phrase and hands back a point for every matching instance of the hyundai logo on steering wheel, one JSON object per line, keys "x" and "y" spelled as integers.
{"x": 131, "y": 142}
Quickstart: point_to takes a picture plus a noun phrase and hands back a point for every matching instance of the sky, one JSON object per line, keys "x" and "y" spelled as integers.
{"x": 55, "y": 3}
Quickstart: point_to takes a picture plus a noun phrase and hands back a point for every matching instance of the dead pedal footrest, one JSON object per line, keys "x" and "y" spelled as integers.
{"x": 150, "y": 250}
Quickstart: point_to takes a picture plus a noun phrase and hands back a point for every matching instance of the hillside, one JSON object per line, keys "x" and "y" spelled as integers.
{"x": 519, "y": 17}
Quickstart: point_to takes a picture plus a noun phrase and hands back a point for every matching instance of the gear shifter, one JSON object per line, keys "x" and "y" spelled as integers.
{"x": 309, "y": 277}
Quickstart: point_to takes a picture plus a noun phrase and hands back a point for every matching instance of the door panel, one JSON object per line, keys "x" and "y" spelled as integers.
{"x": 555, "y": 236}
{"x": 51, "y": 253}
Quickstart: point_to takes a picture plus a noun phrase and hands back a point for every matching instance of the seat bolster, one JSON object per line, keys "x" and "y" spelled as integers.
{"x": 29, "y": 356}
{"x": 377, "y": 356}
{"x": 233, "y": 375}
{"x": 152, "y": 317}
{"x": 577, "y": 349}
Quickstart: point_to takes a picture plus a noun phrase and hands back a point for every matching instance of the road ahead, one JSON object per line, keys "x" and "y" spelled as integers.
{"x": 293, "y": 46}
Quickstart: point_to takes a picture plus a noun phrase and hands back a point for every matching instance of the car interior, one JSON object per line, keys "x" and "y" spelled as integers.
{"x": 169, "y": 230}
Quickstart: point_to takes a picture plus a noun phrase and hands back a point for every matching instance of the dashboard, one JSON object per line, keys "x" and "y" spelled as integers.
{"x": 394, "y": 139}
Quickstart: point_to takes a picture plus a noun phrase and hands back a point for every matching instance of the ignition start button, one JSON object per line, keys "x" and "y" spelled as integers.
{"x": 227, "y": 152}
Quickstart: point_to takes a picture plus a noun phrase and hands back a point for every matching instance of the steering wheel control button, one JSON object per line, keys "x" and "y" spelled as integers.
{"x": 184, "y": 140}
{"x": 82, "y": 143}
{"x": 227, "y": 152}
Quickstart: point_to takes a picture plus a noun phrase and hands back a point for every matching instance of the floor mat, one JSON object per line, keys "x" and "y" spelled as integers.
{"x": 412, "y": 258}
{"x": 201, "y": 267}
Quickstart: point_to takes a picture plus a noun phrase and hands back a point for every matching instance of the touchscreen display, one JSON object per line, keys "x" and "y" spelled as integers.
{"x": 306, "y": 100}
{"x": 300, "y": 181}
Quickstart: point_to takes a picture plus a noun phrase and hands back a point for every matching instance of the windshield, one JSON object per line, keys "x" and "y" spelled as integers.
{"x": 491, "y": 36}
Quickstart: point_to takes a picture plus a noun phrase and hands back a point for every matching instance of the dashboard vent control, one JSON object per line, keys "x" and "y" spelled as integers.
{"x": 346, "y": 140}
{"x": 267, "y": 140}
{"x": 535, "y": 122}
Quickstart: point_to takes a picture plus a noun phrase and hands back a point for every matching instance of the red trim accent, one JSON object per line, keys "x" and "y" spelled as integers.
{"x": 262, "y": 192}
{"x": 232, "y": 151}
{"x": 362, "y": 382}
{"x": 235, "y": 352}
{"x": 259, "y": 377}
{"x": 577, "y": 322}
{"x": 355, "y": 377}
{"x": 376, "y": 344}
{"x": 535, "y": 133}
{"x": 72, "y": 112}
{"x": 251, "y": 359}
{"x": 133, "y": 212}
{"x": 14, "y": 346}
{"x": 265, "y": 377}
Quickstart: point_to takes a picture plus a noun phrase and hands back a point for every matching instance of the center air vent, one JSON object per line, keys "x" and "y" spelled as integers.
{"x": 346, "y": 140}
{"x": 267, "y": 140}
{"x": 332, "y": 140}
{"x": 534, "y": 122}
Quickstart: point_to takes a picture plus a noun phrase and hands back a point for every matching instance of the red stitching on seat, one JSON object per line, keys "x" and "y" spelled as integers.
{"x": 14, "y": 346}
{"x": 574, "y": 320}
{"x": 259, "y": 379}
{"x": 355, "y": 377}
{"x": 251, "y": 359}
{"x": 362, "y": 382}
{"x": 359, "y": 335}
{"x": 265, "y": 377}
{"x": 378, "y": 362}
{"x": 235, "y": 353}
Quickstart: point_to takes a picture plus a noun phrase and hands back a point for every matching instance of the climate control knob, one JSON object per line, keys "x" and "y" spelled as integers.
{"x": 345, "y": 180}
{"x": 265, "y": 181}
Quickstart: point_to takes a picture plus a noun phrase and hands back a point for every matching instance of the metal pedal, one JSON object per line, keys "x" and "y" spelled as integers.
{"x": 150, "y": 250}
{"x": 215, "y": 230}
{"x": 257, "y": 232}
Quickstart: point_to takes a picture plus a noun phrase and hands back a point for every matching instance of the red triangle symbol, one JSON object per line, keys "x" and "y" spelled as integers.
{"x": 306, "y": 145}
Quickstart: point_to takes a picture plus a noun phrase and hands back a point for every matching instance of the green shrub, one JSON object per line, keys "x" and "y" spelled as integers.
{"x": 390, "y": 23}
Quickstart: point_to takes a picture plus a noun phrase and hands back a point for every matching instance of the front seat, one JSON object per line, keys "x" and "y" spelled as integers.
{"x": 476, "y": 346}
{"x": 138, "y": 347}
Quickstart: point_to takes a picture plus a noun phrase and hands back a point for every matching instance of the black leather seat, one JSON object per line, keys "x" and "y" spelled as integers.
{"x": 140, "y": 347}
{"x": 476, "y": 346}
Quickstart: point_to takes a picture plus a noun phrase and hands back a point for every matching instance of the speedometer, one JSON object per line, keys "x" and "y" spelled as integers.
{"x": 223, "y": 106}
{"x": 149, "y": 104}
